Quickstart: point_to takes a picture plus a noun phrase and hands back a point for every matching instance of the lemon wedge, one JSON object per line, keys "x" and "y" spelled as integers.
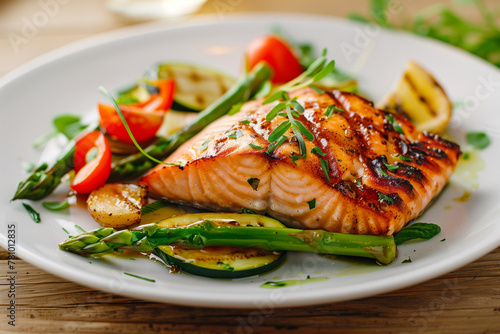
{"x": 419, "y": 97}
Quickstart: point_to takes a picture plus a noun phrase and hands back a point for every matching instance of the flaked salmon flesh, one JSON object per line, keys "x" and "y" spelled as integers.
{"x": 376, "y": 178}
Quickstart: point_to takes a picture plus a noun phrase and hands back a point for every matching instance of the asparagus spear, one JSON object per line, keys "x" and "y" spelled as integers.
{"x": 137, "y": 164}
{"x": 206, "y": 233}
{"x": 44, "y": 179}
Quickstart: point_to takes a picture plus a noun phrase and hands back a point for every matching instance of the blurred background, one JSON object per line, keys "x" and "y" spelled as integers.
{"x": 30, "y": 28}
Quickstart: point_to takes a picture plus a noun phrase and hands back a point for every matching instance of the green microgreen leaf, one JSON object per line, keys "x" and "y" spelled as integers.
{"x": 254, "y": 183}
{"x": 279, "y": 95}
{"x": 331, "y": 109}
{"x": 326, "y": 168}
{"x": 479, "y": 140}
{"x": 279, "y": 131}
{"x": 312, "y": 203}
{"x": 33, "y": 213}
{"x": 275, "y": 110}
{"x": 105, "y": 92}
{"x": 140, "y": 277}
{"x": 318, "y": 151}
{"x": 245, "y": 210}
{"x": 300, "y": 140}
{"x": 403, "y": 158}
{"x": 417, "y": 231}
{"x": 303, "y": 130}
{"x": 325, "y": 71}
{"x": 237, "y": 134}
{"x": 385, "y": 198}
{"x": 246, "y": 121}
{"x": 317, "y": 89}
{"x": 382, "y": 172}
{"x": 391, "y": 167}
{"x": 56, "y": 206}
{"x": 257, "y": 147}
{"x": 235, "y": 108}
{"x": 297, "y": 106}
{"x": 273, "y": 146}
{"x": 294, "y": 158}
{"x": 78, "y": 227}
{"x": 204, "y": 146}
{"x": 392, "y": 121}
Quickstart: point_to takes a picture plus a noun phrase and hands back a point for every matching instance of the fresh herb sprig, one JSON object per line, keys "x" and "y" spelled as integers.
{"x": 292, "y": 109}
{"x": 443, "y": 23}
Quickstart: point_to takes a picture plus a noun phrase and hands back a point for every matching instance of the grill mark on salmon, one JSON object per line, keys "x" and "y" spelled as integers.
{"x": 363, "y": 196}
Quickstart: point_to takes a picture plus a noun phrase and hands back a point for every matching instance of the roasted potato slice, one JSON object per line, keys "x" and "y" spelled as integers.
{"x": 117, "y": 204}
{"x": 419, "y": 97}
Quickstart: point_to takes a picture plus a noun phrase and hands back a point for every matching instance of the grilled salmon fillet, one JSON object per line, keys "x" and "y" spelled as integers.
{"x": 370, "y": 173}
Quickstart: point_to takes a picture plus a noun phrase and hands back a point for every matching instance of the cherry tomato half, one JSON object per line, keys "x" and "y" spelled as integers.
{"x": 143, "y": 118}
{"x": 91, "y": 171}
{"x": 278, "y": 54}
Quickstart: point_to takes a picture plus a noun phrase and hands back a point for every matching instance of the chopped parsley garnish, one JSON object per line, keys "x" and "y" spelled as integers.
{"x": 382, "y": 172}
{"x": 245, "y": 210}
{"x": 312, "y": 203}
{"x": 318, "y": 151}
{"x": 140, "y": 277}
{"x": 253, "y": 182}
{"x": 326, "y": 168}
{"x": 478, "y": 140}
{"x": 56, "y": 206}
{"x": 444, "y": 239}
{"x": 392, "y": 121}
{"x": 236, "y": 135}
{"x": 417, "y": 231}
{"x": 403, "y": 158}
{"x": 316, "y": 89}
{"x": 466, "y": 156}
{"x": 408, "y": 260}
{"x": 385, "y": 198}
{"x": 273, "y": 146}
{"x": 246, "y": 121}
{"x": 204, "y": 146}
{"x": 257, "y": 147}
{"x": 292, "y": 108}
{"x": 330, "y": 110}
{"x": 33, "y": 213}
{"x": 358, "y": 182}
{"x": 391, "y": 167}
{"x": 79, "y": 228}
{"x": 294, "y": 158}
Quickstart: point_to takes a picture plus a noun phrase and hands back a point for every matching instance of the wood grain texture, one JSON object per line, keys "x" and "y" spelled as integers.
{"x": 464, "y": 301}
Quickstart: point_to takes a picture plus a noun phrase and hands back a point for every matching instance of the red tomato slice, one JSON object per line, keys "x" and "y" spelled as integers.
{"x": 143, "y": 124}
{"x": 144, "y": 119}
{"x": 94, "y": 173}
{"x": 164, "y": 99}
{"x": 277, "y": 54}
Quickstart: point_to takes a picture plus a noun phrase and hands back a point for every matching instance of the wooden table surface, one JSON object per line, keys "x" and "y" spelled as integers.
{"x": 464, "y": 301}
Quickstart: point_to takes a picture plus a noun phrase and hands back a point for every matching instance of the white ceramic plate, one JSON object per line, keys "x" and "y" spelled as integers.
{"x": 67, "y": 80}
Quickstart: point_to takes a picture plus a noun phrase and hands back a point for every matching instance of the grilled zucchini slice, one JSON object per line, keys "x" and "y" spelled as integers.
{"x": 220, "y": 262}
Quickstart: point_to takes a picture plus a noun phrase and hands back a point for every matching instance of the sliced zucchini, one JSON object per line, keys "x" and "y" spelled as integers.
{"x": 221, "y": 262}
{"x": 159, "y": 210}
{"x": 196, "y": 87}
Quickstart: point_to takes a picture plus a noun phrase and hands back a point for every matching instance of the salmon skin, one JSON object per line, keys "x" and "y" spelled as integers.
{"x": 377, "y": 173}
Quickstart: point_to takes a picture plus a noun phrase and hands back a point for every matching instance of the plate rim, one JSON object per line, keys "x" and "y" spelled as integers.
{"x": 126, "y": 32}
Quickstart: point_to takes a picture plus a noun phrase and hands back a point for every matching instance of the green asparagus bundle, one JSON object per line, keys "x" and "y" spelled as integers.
{"x": 206, "y": 233}
{"x": 44, "y": 179}
{"x": 137, "y": 164}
